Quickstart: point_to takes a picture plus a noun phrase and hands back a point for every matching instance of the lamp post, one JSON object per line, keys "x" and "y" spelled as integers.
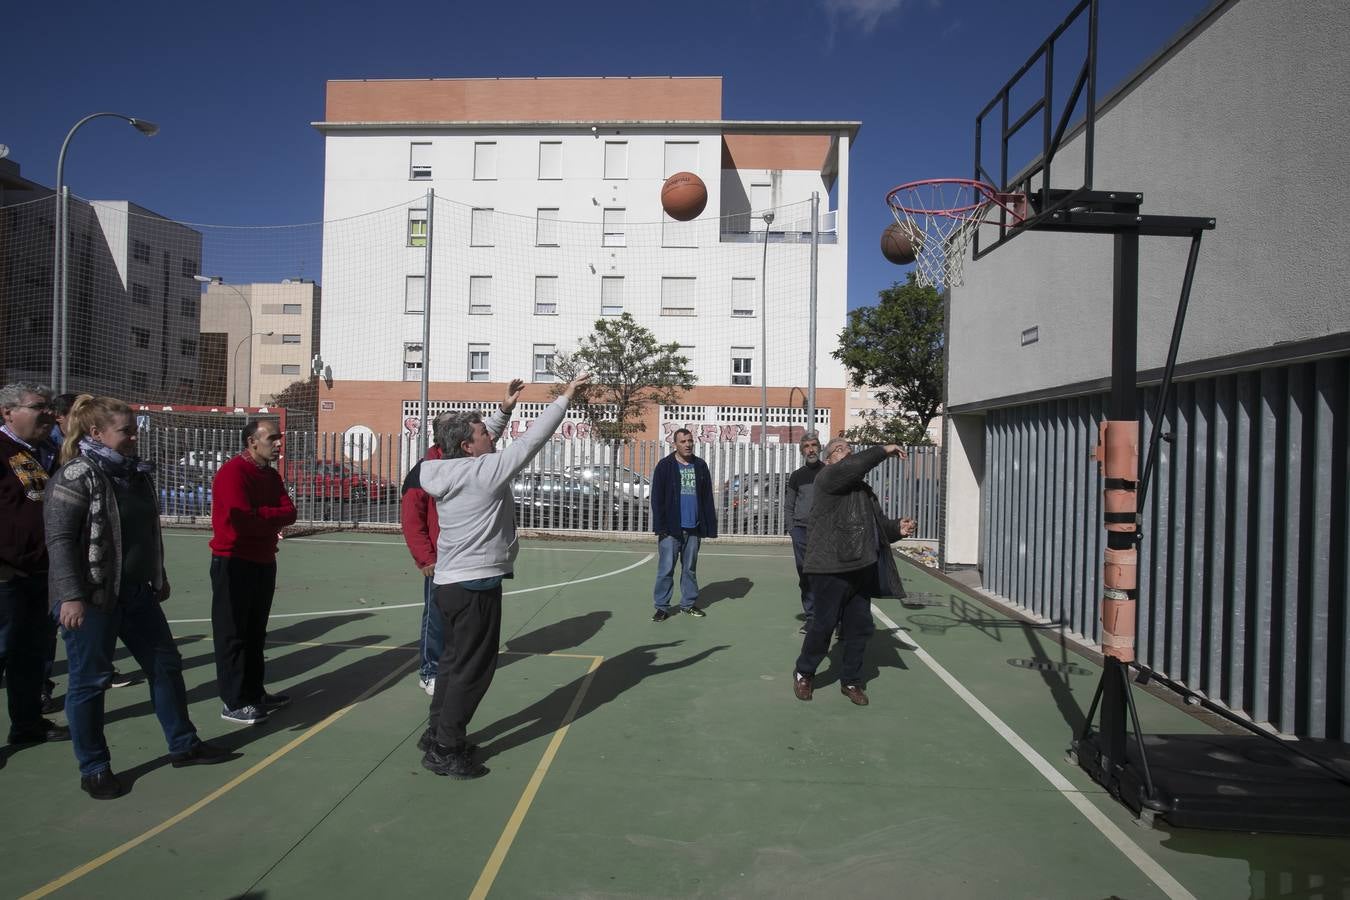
{"x": 234, "y": 396}
{"x": 60, "y": 264}
{"x": 234, "y": 372}
{"x": 764, "y": 355}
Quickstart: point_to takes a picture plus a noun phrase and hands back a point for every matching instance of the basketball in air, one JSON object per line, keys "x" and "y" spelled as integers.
{"x": 900, "y": 244}
{"x": 683, "y": 196}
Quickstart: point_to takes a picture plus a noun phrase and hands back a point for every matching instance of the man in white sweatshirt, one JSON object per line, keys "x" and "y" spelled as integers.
{"x": 476, "y": 549}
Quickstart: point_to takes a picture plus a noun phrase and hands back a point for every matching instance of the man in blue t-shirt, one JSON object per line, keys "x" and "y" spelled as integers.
{"x": 683, "y": 514}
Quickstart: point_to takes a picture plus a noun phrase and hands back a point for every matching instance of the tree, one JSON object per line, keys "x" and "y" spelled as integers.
{"x": 895, "y": 348}
{"x": 631, "y": 371}
{"x": 301, "y": 396}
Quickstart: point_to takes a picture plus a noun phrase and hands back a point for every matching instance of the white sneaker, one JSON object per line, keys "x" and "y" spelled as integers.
{"x": 428, "y": 685}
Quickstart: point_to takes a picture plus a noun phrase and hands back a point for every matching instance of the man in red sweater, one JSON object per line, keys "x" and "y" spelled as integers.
{"x": 249, "y": 506}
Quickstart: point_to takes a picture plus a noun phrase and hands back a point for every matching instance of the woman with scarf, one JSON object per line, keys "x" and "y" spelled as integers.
{"x": 106, "y": 581}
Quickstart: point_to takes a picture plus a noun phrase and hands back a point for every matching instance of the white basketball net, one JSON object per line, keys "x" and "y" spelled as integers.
{"x": 943, "y": 215}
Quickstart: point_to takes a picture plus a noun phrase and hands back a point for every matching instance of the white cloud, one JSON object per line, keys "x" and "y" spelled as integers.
{"x": 866, "y": 14}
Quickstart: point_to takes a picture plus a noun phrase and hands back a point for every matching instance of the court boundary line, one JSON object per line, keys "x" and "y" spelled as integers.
{"x": 1150, "y": 867}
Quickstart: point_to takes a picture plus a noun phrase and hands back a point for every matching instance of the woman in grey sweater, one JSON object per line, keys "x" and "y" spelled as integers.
{"x": 106, "y": 581}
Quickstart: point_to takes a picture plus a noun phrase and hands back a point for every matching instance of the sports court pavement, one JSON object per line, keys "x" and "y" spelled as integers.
{"x": 629, "y": 759}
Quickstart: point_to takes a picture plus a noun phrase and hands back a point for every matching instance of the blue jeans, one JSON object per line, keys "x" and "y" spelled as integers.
{"x": 139, "y": 621}
{"x": 669, "y": 547}
{"x": 432, "y": 638}
{"x": 23, "y": 625}
{"x": 798, "y": 534}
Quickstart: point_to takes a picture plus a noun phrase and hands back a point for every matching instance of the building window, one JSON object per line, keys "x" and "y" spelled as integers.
{"x": 189, "y": 267}
{"x": 546, "y": 295}
{"x": 480, "y": 228}
{"x": 412, "y": 362}
{"x": 140, "y": 251}
{"x": 742, "y": 365}
{"x": 419, "y": 161}
{"x": 485, "y": 161}
{"x": 187, "y": 308}
{"x": 543, "y": 362}
{"x": 677, "y": 296}
{"x": 761, "y": 200}
{"x": 140, "y": 293}
{"x": 414, "y": 293}
{"x": 681, "y": 156}
{"x": 187, "y": 347}
{"x": 290, "y": 309}
{"x": 742, "y": 297}
{"x": 140, "y": 338}
{"x": 417, "y": 228}
{"x": 611, "y": 296}
{"x": 290, "y": 338}
{"x": 613, "y": 229}
{"x": 678, "y": 234}
{"x": 616, "y": 159}
{"x": 478, "y": 362}
{"x": 290, "y": 370}
{"x": 546, "y": 228}
{"x": 480, "y": 295}
{"x": 550, "y": 160}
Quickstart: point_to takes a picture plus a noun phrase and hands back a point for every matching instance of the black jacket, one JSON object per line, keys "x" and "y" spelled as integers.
{"x": 847, "y": 527}
{"x": 666, "y": 498}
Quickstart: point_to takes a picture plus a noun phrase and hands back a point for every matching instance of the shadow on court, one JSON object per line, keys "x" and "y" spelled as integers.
{"x": 615, "y": 675}
{"x": 734, "y": 589}
{"x": 563, "y": 635}
{"x": 1287, "y": 866}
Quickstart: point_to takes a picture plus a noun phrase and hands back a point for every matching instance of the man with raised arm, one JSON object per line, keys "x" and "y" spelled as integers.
{"x": 475, "y": 551}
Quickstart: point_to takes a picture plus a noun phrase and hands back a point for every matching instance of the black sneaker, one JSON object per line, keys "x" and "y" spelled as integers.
{"x": 101, "y": 785}
{"x": 693, "y": 611}
{"x": 244, "y": 715}
{"x": 428, "y": 740}
{"x": 119, "y": 680}
{"x": 456, "y": 764}
{"x": 39, "y": 733}
{"x": 201, "y": 754}
{"x": 49, "y": 704}
{"x": 273, "y": 702}
{"x": 661, "y": 615}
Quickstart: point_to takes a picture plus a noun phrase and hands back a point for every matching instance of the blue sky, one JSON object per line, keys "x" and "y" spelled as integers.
{"x": 234, "y": 86}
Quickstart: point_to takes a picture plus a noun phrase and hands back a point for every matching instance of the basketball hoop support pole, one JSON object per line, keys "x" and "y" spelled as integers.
{"x": 423, "y": 439}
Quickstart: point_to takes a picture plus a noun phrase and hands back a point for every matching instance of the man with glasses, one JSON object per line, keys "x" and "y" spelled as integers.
{"x": 28, "y": 462}
{"x": 249, "y": 507}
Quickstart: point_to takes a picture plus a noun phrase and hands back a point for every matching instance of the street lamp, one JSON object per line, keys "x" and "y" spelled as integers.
{"x": 764, "y": 356}
{"x": 234, "y": 397}
{"x": 220, "y": 282}
{"x": 60, "y": 282}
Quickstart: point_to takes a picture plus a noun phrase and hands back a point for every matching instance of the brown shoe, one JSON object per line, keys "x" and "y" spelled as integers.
{"x": 801, "y": 686}
{"x": 854, "y": 693}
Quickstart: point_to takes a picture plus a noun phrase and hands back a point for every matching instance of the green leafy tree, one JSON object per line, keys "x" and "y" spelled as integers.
{"x": 630, "y": 372}
{"x": 895, "y": 348}
{"x": 301, "y": 396}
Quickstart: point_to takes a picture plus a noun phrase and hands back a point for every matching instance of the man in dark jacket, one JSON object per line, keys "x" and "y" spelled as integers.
{"x": 797, "y": 514}
{"x": 26, "y": 463}
{"x": 849, "y": 561}
{"x": 683, "y": 514}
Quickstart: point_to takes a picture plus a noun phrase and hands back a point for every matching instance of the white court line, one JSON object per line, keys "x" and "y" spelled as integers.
{"x": 1132, "y": 851}
{"x": 354, "y": 609}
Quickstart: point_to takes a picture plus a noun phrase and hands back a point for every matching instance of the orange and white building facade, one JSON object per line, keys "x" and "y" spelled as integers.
{"x": 581, "y": 147}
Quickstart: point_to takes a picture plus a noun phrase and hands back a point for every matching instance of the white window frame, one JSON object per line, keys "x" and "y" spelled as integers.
{"x": 485, "y": 161}
{"x": 671, "y": 161}
{"x": 546, "y": 227}
{"x": 292, "y": 309}
{"x": 742, "y": 366}
{"x": 547, "y": 352}
{"x": 743, "y": 307}
{"x": 419, "y": 161}
{"x": 414, "y": 294}
{"x": 412, "y": 366}
{"x": 290, "y": 369}
{"x": 607, "y": 305}
{"x": 417, "y": 236}
{"x": 612, "y": 226}
{"x": 546, "y": 295}
{"x": 290, "y": 338}
{"x": 482, "y": 227}
{"x": 480, "y": 295}
{"x": 550, "y": 161}
{"x": 678, "y": 234}
{"x": 480, "y": 362}
{"x": 761, "y": 200}
{"x": 678, "y": 296}
{"x": 615, "y": 163}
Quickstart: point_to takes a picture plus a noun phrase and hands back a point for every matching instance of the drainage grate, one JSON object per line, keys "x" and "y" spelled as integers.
{"x": 1045, "y": 665}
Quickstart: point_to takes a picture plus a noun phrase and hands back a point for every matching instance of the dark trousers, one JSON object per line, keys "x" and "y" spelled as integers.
{"x": 846, "y": 598}
{"x": 241, "y": 601}
{"x": 798, "y": 535}
{"x": 471, "y": 622}
{"x": 23, "y": 636}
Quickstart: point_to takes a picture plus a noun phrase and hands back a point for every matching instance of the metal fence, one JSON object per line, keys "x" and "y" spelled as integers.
{"x": 572, "y": 485}
{"x": 1243, "y": 576}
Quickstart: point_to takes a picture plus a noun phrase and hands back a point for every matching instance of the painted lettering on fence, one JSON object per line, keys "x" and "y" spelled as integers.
{"x": 714, "y": 433}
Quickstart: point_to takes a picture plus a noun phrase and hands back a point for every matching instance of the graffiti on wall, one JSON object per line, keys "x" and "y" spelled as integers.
{"x": 737, "y": 433}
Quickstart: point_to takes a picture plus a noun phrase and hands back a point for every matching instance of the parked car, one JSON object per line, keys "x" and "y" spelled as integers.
{"x": 184, "y": 491}
{"x": 329, "y": 480}
{"x": 563, "y": 500}
{"x": 620, "y": 478}
{"x": 751, "y": 498}
{"x": 204, "y": 460}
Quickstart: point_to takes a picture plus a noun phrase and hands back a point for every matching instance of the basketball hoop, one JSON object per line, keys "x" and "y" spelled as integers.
{"x": 942, "y": 214}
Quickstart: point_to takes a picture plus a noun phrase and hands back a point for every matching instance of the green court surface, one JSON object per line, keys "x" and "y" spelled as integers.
{"x": 629, "y": 758}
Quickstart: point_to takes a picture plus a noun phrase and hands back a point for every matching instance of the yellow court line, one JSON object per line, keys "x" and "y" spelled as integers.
{"x": 135, "y": 842}
{"x": 494, "y": 863}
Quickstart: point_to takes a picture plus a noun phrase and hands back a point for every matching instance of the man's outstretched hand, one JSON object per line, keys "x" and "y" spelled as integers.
{"x": 582, "y": 379}
{"x": 513, "y": 394}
